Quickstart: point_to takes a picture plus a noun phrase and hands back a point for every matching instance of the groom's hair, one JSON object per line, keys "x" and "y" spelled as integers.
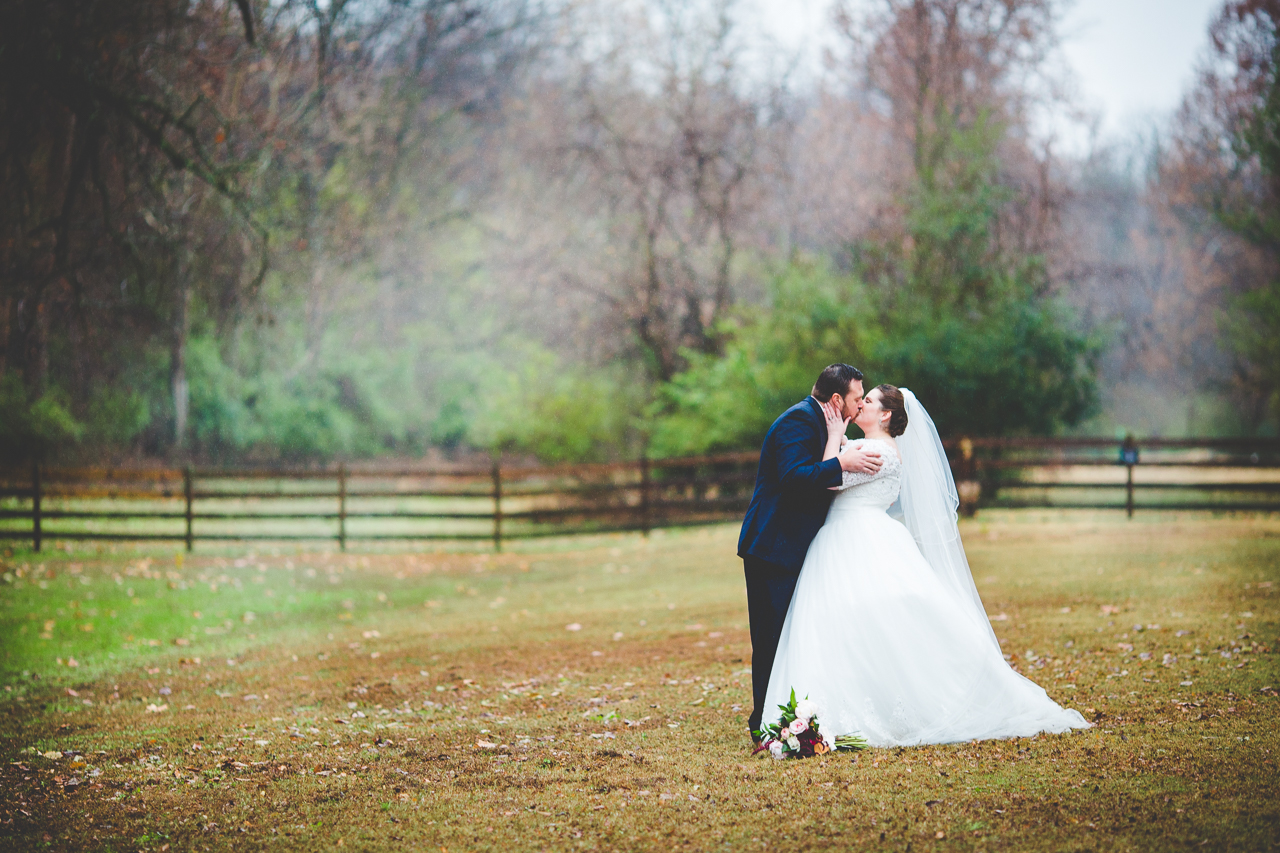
{"x": 835, "y": 379}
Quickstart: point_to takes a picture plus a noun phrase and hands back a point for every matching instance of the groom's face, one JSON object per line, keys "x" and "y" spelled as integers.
{"x": 851, "y": 403}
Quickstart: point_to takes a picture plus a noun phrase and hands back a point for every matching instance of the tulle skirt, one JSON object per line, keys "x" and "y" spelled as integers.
{"x": 886, "y": 651}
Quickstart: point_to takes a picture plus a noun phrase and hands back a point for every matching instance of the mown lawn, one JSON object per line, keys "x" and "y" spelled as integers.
{"x": 592, "y": 693}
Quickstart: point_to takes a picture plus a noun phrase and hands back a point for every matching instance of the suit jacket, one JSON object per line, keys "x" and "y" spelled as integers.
{"x": 792, "y": 488}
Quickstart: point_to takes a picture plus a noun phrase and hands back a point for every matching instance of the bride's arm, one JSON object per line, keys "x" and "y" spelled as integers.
{"x": 865, "y": 462}
{"x": 836, "y": 425}
{"x": 853, "y": 478}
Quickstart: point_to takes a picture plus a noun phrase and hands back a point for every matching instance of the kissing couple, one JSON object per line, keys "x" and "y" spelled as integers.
{"x": 858, "y": 589}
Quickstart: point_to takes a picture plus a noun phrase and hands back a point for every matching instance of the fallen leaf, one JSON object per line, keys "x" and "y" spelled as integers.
{"x": 573, "y": 626}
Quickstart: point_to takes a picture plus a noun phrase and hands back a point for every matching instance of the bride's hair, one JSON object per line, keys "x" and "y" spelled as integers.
{"x": 891, "y": 401}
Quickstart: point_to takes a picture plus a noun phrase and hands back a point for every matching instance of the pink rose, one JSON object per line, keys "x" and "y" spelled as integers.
{"x": 797, "y": 726}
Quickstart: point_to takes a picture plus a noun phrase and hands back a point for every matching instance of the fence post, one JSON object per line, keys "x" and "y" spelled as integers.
{"x": 1128, "y": 493}
{"x": 646, "y": 521}
{"x": 342, "y": 507}
{"x": 1129, "y": 456}
{"x": 36, "y": 533}
{"x": 497, "y": 505}
{"x": 968, "y": 487}
{"x": 188, "y": 492}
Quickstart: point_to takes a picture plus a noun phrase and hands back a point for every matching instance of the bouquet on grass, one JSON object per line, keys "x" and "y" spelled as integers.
{"x": 796, "y": 734}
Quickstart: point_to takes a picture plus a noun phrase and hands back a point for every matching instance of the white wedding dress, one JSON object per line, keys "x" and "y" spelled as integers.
{"x": 888, "y": 646}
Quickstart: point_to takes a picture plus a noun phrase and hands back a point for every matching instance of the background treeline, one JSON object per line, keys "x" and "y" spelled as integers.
{"x": 290, "y": 229}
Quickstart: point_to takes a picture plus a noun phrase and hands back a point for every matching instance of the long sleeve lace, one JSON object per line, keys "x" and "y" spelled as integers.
{"x": 853, "y": 478}
{"x": 849, "y": 479}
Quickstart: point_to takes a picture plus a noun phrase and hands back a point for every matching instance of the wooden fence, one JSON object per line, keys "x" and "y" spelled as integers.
{"x": 1129, "y": 474}
{"x": 369, "y": 503}
{"x": 345, "y": 504}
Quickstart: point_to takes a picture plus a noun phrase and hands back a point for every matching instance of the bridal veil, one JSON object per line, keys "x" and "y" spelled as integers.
{"x": 929, "y": 507}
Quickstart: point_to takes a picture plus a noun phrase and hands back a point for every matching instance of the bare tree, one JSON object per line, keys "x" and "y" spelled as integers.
{"x": 110, "y": 137}
{"x": 919, "y": 69}
{"x": 660, "y": 141}
{"x": 1221, "y": 177}
{"x": 148, "y": 149}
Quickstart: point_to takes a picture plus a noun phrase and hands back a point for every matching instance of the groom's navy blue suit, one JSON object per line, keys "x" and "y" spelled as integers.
{"x": 789, "y": 505}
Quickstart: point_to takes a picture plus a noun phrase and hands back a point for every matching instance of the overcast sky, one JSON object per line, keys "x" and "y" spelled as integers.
{"x": 1131, "y": 59}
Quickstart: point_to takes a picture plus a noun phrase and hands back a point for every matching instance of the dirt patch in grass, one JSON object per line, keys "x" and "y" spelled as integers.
{"x": 592, "y": 694}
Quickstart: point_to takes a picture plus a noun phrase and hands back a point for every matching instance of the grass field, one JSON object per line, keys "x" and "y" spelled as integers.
{"x": 592, "y": 693}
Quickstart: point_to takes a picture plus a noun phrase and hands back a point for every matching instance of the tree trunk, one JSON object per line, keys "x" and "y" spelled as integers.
{"x": 178, "y": 364}
{"x": 6, "y": 315}
{"x": 38, "y": 359}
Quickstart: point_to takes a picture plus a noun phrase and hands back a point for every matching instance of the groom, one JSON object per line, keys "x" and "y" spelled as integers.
{"x": 789, "y": 505}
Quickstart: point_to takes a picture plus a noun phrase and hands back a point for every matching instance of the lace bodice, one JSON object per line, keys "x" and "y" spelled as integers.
{"x": 877, "y": 490}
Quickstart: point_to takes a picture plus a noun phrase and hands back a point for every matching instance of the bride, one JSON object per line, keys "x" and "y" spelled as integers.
{"x": 886, "y": 633}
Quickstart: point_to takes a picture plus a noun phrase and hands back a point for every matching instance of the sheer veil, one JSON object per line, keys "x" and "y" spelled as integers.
{"x": 929, "y": 504}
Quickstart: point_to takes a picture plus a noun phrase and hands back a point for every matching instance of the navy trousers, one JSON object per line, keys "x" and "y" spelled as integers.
{"x": 769, "y": 590}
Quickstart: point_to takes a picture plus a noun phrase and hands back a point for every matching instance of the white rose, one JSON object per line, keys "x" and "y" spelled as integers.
{"x": 775, "y": 749}
{"x": 805, "y": 709}
{"x": 793, "y": 742}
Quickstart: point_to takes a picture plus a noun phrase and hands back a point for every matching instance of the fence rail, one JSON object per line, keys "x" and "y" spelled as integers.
{"x": 1150, "y": 473}
{"x": 352, "y": 503}
{"x": 349, "y": 503}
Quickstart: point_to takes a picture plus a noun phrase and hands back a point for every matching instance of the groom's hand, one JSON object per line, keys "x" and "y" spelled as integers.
{"x": 856, "y": 460}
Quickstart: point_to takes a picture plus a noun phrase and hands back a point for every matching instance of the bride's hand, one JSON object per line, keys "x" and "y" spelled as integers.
{"x": 836, "y": 425}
